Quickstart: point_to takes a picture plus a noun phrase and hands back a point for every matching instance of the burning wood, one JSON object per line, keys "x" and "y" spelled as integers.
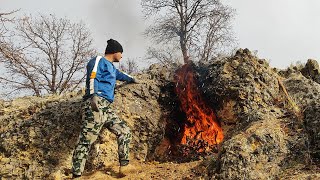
{"x": 201, "y": 131}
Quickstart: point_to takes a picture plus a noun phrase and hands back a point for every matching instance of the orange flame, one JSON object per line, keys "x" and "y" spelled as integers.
{"x": 202, "y": 122}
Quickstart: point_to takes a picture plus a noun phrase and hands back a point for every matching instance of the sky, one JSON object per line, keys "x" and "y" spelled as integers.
{"x": 281, "y": 31}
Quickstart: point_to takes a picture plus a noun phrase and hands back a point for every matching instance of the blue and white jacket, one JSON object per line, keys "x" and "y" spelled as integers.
{"x": 101, "y": 78}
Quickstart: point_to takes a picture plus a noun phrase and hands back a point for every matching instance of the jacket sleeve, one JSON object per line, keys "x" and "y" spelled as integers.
{"x": 121, "y": 76}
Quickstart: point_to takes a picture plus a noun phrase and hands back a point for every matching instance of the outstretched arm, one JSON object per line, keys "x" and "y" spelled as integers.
{"x": 121, "y": 76}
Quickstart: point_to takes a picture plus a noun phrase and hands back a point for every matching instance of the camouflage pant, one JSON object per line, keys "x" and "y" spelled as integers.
{"x": 95, "y": 117}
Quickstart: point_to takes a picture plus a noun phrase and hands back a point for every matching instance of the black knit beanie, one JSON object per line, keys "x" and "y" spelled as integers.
{"x": 113, "y": 47}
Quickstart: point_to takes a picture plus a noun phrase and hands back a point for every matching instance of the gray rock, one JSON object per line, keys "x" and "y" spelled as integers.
{"x": 312, "y": 70}
{"x": 255, "y": 153}
{"x": 312, "y": 123}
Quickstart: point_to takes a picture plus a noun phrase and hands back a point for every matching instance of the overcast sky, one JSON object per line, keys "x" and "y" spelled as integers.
{"x": 282, "y": 31}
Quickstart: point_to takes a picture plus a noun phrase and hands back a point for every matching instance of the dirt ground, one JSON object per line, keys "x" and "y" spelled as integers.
{"x": 149, "y": 170}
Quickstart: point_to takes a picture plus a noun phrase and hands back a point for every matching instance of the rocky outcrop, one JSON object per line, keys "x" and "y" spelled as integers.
{"x": 255, "y": 153}
{"x": 305, "y": 90}
{"x": 242, "y": 85}
{"x": 264, "y": 124}
{"x": 270, "y": 120}
{"x": 38, "y": 135}
{"x": 312, "y": 70}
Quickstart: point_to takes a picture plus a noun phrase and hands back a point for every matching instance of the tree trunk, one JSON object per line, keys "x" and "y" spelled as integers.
{"x": 184, "y": 49}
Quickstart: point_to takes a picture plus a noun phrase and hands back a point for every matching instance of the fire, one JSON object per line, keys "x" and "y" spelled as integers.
{"x": 201, "y": 123}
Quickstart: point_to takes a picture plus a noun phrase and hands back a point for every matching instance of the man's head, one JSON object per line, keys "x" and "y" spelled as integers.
{"x": 114, "y": 50}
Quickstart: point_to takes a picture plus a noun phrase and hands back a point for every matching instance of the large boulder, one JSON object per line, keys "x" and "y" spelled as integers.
{"x": 240, "y": 87}
{"x": 266, "y": 131}
{"x": 255, "y": 153}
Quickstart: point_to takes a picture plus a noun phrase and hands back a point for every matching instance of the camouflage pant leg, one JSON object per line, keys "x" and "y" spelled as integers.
{"x": 123, "y": 133}
{"x": 92, "y": 124}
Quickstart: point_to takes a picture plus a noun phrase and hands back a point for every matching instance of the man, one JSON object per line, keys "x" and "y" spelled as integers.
{"x": 98, "y": 112}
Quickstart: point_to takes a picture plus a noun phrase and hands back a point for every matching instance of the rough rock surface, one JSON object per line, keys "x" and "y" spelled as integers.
{"x": 38, "y": 135}
{"x": 312, "y": 123}
{"x": 306, "y": 93}
{"x": 266, "y": 129}
{"x": 312, "y": 70}
{"x": 255, "y": 153}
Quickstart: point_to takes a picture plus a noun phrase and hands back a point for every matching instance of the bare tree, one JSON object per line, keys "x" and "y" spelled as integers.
{"x": 129, "y": 67}
{"x": 5, "y": 17}
{"x": 200, "y": 26}
{"x": 46, "y": 55}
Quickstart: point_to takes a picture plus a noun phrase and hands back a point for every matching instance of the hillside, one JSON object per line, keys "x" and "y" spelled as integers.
{"x": 269, "y": 118}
